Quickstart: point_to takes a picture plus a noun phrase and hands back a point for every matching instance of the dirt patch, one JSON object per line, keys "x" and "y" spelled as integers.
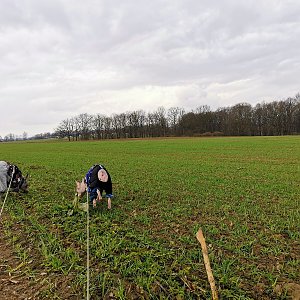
{"x": 27, "y": 279}
{"x": 14, "y": 283}
{"x": 292, "y": 289}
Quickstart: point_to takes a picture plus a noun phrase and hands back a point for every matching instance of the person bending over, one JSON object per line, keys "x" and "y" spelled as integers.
{"x": 96, "y": 181}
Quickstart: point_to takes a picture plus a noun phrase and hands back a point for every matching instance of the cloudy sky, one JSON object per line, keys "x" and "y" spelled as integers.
{"x": 60, "y": 58}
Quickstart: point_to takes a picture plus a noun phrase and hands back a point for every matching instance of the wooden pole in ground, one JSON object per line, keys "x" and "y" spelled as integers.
{"x": 210, "y": 276}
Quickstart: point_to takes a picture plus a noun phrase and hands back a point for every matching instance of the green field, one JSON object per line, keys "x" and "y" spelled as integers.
{"x": 244, "y": 193}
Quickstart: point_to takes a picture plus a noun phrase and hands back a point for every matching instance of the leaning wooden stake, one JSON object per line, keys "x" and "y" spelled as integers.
{"x": 210, "y": 276}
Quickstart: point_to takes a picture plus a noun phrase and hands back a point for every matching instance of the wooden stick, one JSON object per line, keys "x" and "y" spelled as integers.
{"x": 210, "y": 276}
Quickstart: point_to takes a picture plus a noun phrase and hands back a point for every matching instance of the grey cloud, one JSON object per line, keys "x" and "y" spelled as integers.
{"x": 64, "y": 58}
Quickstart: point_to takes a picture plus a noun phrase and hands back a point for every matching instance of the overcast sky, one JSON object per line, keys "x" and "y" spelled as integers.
{"x": 60, "y": 58}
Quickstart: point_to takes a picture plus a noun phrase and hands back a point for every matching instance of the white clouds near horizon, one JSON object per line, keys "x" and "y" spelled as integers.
{"x": 62, "y": 58}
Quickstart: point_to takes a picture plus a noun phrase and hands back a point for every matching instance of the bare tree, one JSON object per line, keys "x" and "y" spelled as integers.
{"x": 98, "y": 125}
{"x": 240, "y": 116}
{"x": 288, "y": 107}
{"x": 174, "y": 115}
{"x": 150, "y": 125}
{"x": 24, "y": 135}
{"x": 258, "y": 119}
{"x": 123, "y": 122}
{"x": 65, "y": 129}
{"x": 10, "y": 137}
{"x": 136, "y": 121}
{"x": 84, "y": 122}
{"x": 107, "y": 121}
{"x": 188, "y": 124}
{"x": 161, "y": 124}
{"x": 204, "y": 122}
{"x": 296, "y": 115}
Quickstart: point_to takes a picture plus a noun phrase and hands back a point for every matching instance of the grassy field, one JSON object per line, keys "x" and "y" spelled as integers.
{"x": 243, "y": 192}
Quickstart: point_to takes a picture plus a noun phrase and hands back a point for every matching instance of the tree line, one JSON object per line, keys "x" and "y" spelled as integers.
{"x": 264, "y": 119}
{"x": 40, "y": 136}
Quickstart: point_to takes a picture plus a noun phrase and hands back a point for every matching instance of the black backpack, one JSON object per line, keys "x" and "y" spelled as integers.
{"x": 14, "y": 175}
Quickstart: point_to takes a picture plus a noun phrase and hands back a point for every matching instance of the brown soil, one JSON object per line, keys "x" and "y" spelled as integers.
{"x": 28, "y": 279}
{"x": 14, "y": 284}
{"x": 292, "y": 289}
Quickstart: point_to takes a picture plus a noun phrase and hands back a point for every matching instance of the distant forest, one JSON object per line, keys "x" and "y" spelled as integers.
{"x": 264, "y": 119}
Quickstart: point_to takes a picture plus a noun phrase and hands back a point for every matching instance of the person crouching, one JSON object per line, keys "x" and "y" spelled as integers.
{"x": 96, "y": 181}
